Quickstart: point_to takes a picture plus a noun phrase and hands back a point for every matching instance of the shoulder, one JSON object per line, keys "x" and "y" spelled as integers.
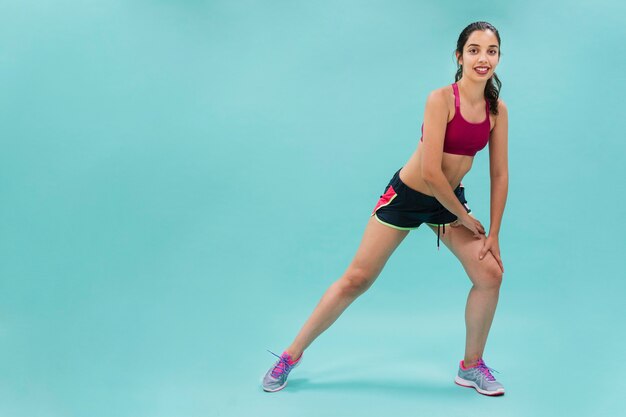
{"x": 440, "y": 98}
{"x": 441, "y": 94}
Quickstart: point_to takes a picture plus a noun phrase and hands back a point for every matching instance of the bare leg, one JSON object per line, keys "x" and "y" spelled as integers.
{"x": 378, "y": 243}
{"x": 486, "y": 277}
{"x": 479, "y": 312}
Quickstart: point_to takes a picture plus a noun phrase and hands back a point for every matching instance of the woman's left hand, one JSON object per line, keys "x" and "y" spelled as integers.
{"x": 492, "y": 245}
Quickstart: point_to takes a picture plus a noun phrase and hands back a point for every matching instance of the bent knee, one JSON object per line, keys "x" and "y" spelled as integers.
{"x": 488, "y": 274}
{"x": 357, "y": 280}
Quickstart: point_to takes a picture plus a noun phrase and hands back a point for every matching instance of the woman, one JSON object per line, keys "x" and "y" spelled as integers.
{"x": 459, "y": 120}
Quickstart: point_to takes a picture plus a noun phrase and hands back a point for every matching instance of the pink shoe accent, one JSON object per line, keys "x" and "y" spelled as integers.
{"x": 482, "y": 367}
{"x": 289, "y": 358}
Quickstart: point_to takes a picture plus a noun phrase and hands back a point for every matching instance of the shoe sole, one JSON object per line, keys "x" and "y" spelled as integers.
{"x": 470, "y": 384}
{"x": 274, "y": 390}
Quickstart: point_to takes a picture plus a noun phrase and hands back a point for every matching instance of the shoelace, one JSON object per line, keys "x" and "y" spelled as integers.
{"x": 282, "y": 365}
{"x": 482, "y": 367}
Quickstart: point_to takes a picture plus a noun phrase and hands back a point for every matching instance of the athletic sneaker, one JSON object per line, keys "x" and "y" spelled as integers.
{"x": 276, "y": 378}
{"x": 480, "y": 378}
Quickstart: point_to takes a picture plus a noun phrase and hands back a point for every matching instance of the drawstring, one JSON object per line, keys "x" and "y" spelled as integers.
{"x": 444, "y": 232}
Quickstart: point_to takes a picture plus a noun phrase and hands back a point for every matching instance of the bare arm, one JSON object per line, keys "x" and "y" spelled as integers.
{"x": 499, "y": 168}
{"x": 435, "y": 121}
{"x": 499, "y": 173}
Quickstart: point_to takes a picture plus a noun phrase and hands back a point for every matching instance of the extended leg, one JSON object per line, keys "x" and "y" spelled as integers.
{"x": 378, "y": 243}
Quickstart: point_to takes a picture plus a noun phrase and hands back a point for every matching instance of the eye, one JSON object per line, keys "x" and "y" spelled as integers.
{"x": 494, "y": 52}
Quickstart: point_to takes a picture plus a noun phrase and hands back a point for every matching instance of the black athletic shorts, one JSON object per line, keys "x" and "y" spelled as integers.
{"x": 404, "y": 208}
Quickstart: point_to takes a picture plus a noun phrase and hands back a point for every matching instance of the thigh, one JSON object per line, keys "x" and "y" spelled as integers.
{"x": 378, "y": 243}
{"x": 466, "y": 247}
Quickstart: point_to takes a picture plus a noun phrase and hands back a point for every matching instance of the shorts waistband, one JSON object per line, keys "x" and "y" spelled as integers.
{"x": 397, "y": 180}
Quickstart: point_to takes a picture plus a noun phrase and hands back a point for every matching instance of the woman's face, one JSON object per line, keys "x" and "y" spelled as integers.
{"x": 481, "y": 55}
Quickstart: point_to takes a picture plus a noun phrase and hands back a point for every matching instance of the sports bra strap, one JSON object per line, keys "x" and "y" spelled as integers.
{"x": 457, "y": 101}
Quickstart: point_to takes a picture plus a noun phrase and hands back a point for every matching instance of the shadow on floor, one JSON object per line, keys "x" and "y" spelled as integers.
{"x": 392, "y": 387}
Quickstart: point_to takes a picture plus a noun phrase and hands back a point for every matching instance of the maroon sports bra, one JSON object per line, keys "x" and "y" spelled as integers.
{"x": 463, "y": 137}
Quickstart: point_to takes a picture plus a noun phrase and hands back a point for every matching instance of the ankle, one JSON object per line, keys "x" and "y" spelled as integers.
{"x": 470, "y": 362}
{"x": 294, "y": 353}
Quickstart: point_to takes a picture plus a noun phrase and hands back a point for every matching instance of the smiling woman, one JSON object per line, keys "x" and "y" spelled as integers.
{"x": 459, "y": 120}
{"x": 476, "y": 39}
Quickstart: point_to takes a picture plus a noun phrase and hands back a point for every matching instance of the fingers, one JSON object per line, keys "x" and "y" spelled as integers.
{"x": 497, "y": 257}
{"x": 481, "y": 256}
{"x": 499, "y": 261}
{"x": 479, "y": 229}
{"x": 474, "y": 226}
{"x": 475, "y": 231}
{"x": 487, "y": 247}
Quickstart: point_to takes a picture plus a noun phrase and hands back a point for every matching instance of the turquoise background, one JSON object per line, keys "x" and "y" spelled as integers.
{"x": 182, "y": 180}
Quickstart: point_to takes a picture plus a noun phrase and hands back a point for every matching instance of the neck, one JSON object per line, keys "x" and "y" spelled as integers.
{"x": 473, "y": 91}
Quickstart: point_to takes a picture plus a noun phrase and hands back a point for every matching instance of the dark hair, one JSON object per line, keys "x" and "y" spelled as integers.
{"x": 492, "y": 89}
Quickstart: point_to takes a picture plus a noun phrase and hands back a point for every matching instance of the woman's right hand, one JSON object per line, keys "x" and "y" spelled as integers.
{"x": 471, "y": 223}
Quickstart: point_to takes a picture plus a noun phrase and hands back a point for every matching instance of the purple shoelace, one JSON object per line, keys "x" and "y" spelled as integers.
{"x": 482, "y": 367}
{"x": 282, "y": 365}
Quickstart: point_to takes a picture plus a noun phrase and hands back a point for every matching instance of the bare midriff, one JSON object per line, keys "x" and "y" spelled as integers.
{"x": 454, "y": 168}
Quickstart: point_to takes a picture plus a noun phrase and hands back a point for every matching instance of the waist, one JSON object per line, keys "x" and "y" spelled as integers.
{"x": 419, "y": 186}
